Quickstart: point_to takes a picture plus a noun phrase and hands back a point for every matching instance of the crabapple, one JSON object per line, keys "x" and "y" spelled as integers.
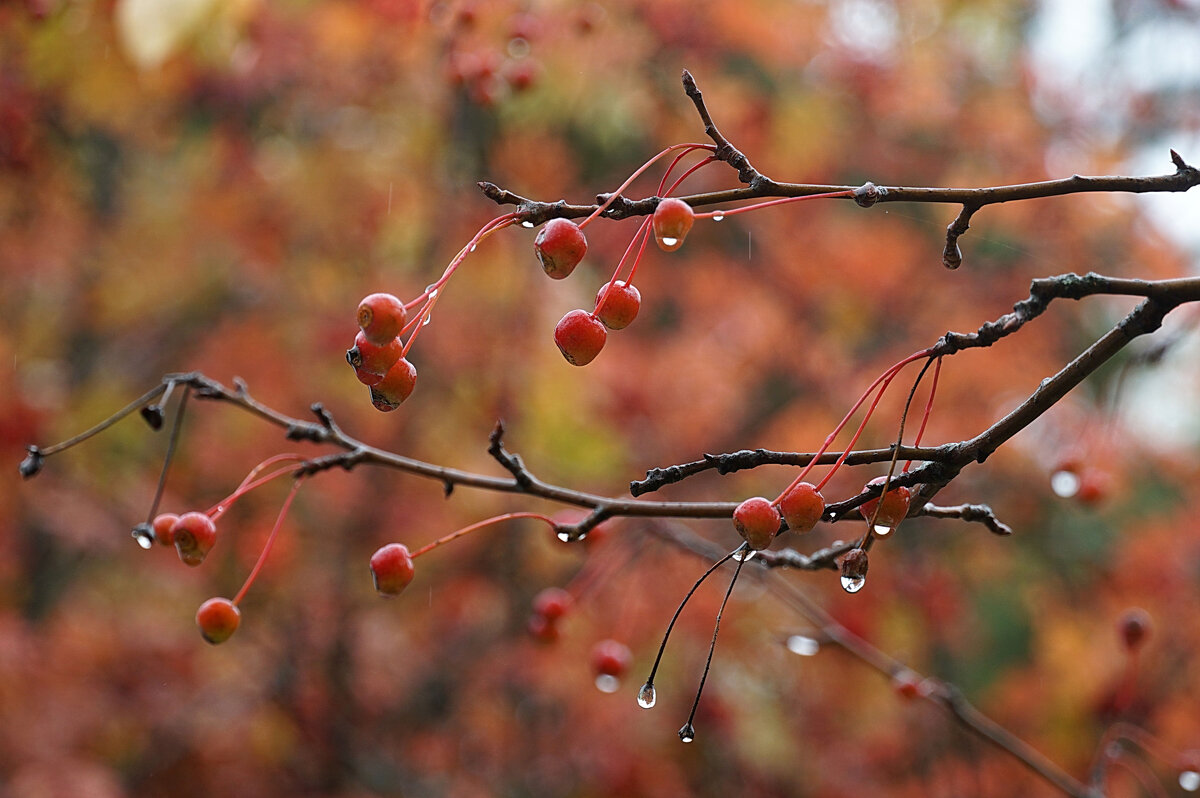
{"x": 162, "y": 524}
{"x": 392, "y": 569}
{"x": 620, "y": 307}
{"x": 672, "y": 220}
{"x": 193, "y": 535}
{"x": 218, "y": 619}
{"x": 894, "y": 505}
{"x": 580, "y": 337}
{"x": 611, "y": 658}
{"x": 757, "y": 521}
{"x": 560, "y": 245}
{"x": 381, "y": 317}
{"x": 370, "y": 360}
{"x": 802, "y": 507}
{"x": 395, "y": 386}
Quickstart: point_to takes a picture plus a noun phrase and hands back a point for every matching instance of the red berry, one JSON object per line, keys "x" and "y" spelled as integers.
{"x": 392, "y": 569}
{"x": 552, "y": 603}
{"x": 895, "y": 505}
{"x": 1134, "y": 627}
{"x": 193, "y": 535}
{"x": 611, "y": 658}
{"x": 802, "y": 507}
{"x": 396, "y": 386}
{"x": 621, "y": 306}
{"x": 560, "y": 245}
{"x": 162, "y": 528}
{"x": 218, "y": 619}
{"x": 580, "y": 337}
{"x": 521, "y": 75}
{"x": 371, "y": 359}
{"x": 671, "y": 221}
{"x": 1095, "y": 485}
{"x": 757, "y": 521}
{"x": 381, "y": 317}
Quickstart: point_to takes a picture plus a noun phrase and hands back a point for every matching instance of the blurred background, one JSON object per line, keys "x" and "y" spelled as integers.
{"x": 214, "y": 184}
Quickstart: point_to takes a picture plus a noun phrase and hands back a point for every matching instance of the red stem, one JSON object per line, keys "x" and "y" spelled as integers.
{"x": 769, "y": 203}
{"x": 612, "y": 197}
{"x": 478, "y": 525}
{"x": 937, "y": 370}
{"x": 262, "y": 557}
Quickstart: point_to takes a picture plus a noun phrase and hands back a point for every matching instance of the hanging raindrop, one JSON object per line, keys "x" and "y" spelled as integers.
{"x": 564, "y": 535}
{"x": 144, "y": 535}
{"x": 882, "y": 530}
{"x": 853, "y": 584}
{"x": 1065, "y": 484}
{"x": 668, "y": 241}
{"x": 607, "y": 683}
{"x": 804, "y": 646}
{"x": 1189, "y": 780}
{"x": 744, "y": 555}
{"x": 647, "y": 696}
{"x": 718, "y": 215}
{"x": 687, "y": 733}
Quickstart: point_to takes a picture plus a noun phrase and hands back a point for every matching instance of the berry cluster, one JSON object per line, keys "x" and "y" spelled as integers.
{"x": 377, "y": 356}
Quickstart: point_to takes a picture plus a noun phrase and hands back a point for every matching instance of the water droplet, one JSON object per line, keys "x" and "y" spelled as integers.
{"x": 853, "y": 584}
{"x": 718, "y": 216}
{"x": 882, "y": 530}
{"x": 564, "y": 536}
{"x": 472, "y": 249}
{"x": 607, "y": 683}
{"x": 1065, "y": 484}
{"x": 833, "y": 517}
{"x": 528, "y": 225}
{"x": 1044, "y": 383}
{"x": 1189, "y": 780}
{"x": 647, "y": 696}
{"x": 669, "y": 241}
{"x": 428, "y": 318}
{"x": 744, "y": 555}
{"x": 687, "y": 733}
{"x": 431, "y": 290}
{"x": 804, "y": 646}
{"x": 144, "y": 535}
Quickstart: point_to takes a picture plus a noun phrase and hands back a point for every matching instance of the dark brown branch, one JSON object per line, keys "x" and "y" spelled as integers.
{"x": 971, "y": 513}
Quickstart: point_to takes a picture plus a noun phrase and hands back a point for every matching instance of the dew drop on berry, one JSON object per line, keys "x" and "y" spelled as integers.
{"x": 804, "y": 646}
{"x": 853, "y": 584}
{"x": 1189, "y": 780}
{"x": 882, "y": 530}
{"x": 687, "y": 733}
{"x": 607, "y": 683}
{"x": 647, "y": 696}
{"x": 144, "y": 535}
{"x": 744, "y": 555}
{"x": 1065, "y": 484}
{"x": 669, "y": 242}
{"x": 718, "y": 216}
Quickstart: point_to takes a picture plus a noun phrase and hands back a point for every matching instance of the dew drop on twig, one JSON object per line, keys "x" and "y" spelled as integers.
{"x": 647, "y": 696}
{"x": 144, "y": 535}
{"x": 853, "y": 584}
{"x": 687, "y": 733}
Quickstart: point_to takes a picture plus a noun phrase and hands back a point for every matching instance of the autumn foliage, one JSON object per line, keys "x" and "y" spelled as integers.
{"x": 215, "y": 186}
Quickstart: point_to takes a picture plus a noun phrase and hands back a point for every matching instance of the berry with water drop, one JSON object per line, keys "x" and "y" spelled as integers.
{"x": 620, "y": 307}
{"x": 580, "y": 337}
{"x": 854, "y": 570}
{"x": 893, "y": 505}
{"x": 560, "y": 246}
{"x": 802, "y": 507}
{"x": 381, "y": 317}
{"x": 757, "y": 521}
{"x": 392, "y": 569}
{"x": 218, "y": 619}
{"x": 396, "y": 386}
{"x": 193, "y": 535}
{"x": 671, "y": 221}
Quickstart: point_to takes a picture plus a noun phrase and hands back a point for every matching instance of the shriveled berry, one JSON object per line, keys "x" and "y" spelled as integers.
{"x": 757, "y": 521}
{"x": 1134, "y": 627}
{"x": 802, "y": 507}
{"x": 611, "y": 658}
{"x": 894, "y": 508}
{"x": 620, "y": 307}
{"x": 371, "y": 359}
{"x": 392, "y": 569}
{"x": 580, "y": 337}
{"x": 560, "y": 246}
{"x": 672, "y": 220}
{"x": 218, "y": 619}
{"x": 552, "y": 603}
{"x": 381, "y": 317}
{"x": 162, "y": 525}
{"x": 396, "y": 386}
{"x": 193, "y": 535}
